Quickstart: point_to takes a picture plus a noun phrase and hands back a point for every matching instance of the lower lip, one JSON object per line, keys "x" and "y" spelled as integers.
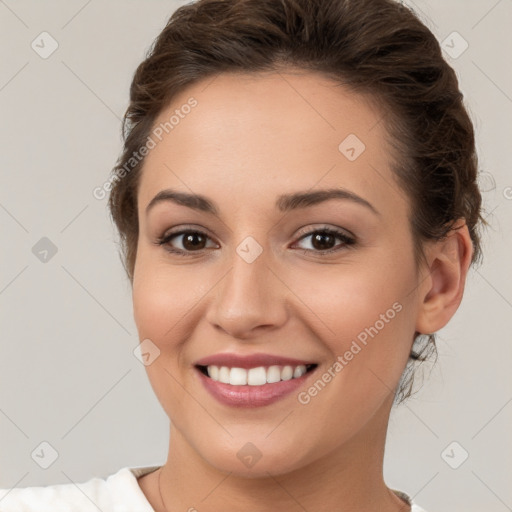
{"x": 252, "y": 396}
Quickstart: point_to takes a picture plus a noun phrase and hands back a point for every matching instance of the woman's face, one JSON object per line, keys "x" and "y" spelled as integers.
{"x": 256, "y": 273}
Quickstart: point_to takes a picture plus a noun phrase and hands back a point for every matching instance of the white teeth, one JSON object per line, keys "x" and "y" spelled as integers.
{"x": 224, "y": 375}
{"x": 287, "y": 373}
{"x": 213, "y": 372}
{"x": 273, "y": 374}
{"x": 237, "y": 377}
{"x": 299, "y": 371}
{"x": 255, "y": 376}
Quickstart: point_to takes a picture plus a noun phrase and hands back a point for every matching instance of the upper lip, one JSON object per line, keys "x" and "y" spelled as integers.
{"x": 249, "y": 361}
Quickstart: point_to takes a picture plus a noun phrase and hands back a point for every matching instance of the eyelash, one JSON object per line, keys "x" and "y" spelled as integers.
{"x": 347, "y": 241}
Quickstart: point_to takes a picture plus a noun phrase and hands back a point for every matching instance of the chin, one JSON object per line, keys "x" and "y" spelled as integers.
{"x": 268, "y": 465}
{"x": 254, "y": 459}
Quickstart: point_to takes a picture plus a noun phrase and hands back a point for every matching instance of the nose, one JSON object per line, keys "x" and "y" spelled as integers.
{"x": 249, "y": 300}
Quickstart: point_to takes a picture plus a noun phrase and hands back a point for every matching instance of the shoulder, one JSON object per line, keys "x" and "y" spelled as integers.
{"x": 414, "y": 506}
{"x": 118, "y": 492}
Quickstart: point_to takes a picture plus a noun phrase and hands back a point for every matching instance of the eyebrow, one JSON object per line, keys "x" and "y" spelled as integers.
{"x": 284, "y": 203}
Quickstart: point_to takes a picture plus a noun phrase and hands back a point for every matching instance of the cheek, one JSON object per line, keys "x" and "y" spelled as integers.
{"x": 159, "y": 307}
{"x": 166, "y": 301}
{"x": 158, "y": 298}
{"x": 365, "y": 314}
{"x": 347, "y": 299}
{"x": 367, "y": 326}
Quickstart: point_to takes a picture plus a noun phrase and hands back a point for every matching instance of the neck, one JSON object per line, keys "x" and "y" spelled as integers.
{"x": 348, "y": 478}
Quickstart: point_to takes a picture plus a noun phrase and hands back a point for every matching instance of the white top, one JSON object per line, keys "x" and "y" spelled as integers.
{"x": 120, "y": 492}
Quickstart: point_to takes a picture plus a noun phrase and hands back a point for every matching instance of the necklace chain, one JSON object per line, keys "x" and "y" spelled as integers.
{"x": 160, "y": 489}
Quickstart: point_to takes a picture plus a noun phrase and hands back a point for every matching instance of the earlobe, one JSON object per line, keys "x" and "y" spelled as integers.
{"x": 440, "y": 297}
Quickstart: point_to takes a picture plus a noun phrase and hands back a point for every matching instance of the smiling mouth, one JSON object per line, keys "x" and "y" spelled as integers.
{"x": 258, "y": 376}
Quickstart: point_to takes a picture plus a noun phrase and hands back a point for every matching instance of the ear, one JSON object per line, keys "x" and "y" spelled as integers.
{"x": 441, "y": 292}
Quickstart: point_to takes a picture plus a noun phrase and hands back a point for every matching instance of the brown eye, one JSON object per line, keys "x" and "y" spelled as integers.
{"x": 324, "y": 240}
{"x": 185, "y": 241}
{"x": 193, "y": 241}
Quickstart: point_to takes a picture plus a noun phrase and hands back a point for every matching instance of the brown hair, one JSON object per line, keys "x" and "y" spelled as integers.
{"x": 378, "y": 48}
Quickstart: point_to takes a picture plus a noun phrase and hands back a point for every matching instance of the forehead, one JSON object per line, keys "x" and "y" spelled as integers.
{"x": 252, "y": 137}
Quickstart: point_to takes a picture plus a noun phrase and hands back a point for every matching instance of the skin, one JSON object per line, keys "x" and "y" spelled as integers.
{"x": 250, "y": 139}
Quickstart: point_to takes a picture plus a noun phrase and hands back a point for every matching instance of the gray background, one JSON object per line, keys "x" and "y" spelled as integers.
{"x": 68, "y": 375}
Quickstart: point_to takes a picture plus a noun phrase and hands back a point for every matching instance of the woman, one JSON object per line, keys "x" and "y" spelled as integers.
{"x": 298, "y": 211}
